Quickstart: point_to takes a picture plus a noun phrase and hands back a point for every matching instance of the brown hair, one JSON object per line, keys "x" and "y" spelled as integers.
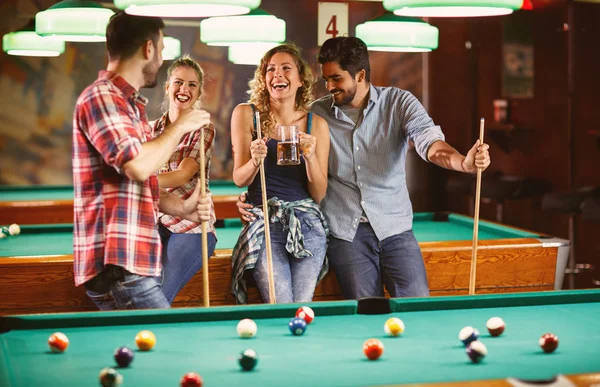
{"x": 259, "y": 94}
{"x": 125, "y": 34}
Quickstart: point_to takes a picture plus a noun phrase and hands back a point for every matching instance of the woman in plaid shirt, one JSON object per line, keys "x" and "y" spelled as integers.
{"x": 181, "y": 238}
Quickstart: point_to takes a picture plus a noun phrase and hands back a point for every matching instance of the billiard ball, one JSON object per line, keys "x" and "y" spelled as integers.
{"x": 123, "y": 356}
{"x": 145, "y": 340}
{"x": 467, "y": 335}
{"x": 297, "y": 326}
{"x": 393, "y": 326}
{"x": 4, "y": 232}
{"x": 14, "y": 229}
{"x": 476, "y": 351}
{"x": 549, "y": 342}
{"x": 495, "y": 326}
{"x": 248, "y": 359}
{"x": 58, "y": 342}
{"x": 305, "y": 313}
{"x": 373, "y": 348}
{"x": 191, "y": 379}
{"x": 247, "y": 328}
{"x": 109, "y": 377}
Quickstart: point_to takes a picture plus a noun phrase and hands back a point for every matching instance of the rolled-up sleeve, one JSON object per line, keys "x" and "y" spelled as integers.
{"x": 109, "y": 128}
{"x": 419, "y": 127}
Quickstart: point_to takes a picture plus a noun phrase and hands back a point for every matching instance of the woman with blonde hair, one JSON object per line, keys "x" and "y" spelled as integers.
{"x": 280, "y": 92}
{"x": 181, "y": 238}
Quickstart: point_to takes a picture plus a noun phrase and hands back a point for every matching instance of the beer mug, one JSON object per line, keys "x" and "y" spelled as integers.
{"x": 288, "y": 148}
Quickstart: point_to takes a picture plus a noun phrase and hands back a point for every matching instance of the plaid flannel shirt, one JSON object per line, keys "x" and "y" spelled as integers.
{"x": 188, "y": 147}
{"x": 115, "y": 217}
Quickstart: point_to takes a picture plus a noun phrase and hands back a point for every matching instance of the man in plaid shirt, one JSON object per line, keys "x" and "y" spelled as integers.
{"x": 117, "y": 248}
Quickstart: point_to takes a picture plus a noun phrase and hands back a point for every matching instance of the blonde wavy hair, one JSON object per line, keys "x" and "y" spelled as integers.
{"x": 184, "y": 61}
{"x": 259, "y": 94}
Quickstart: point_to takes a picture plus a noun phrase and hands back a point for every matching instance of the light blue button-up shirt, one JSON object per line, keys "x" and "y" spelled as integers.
{"x": 367, "y": 162}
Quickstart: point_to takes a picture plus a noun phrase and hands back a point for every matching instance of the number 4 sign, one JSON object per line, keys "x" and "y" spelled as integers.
{"x": 333, "y": 21}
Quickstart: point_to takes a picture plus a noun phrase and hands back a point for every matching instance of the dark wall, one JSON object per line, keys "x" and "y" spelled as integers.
{"x": 464, "y": 82}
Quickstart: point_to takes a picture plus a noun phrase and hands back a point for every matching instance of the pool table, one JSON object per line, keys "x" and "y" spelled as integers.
{"x": 204, "y": 340}
{"x": 54, "y": 204}
{"x": 36, "y": 267}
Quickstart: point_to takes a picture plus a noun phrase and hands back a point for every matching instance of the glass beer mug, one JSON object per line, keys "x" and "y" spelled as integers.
{"x": 288, "y": 148}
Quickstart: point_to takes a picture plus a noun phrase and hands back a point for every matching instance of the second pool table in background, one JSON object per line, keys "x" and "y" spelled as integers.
{"x": 36, "y": 272}
{"x": 54, "y": 204}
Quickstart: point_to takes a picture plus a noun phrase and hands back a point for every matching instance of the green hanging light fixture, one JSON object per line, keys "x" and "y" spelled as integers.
{"x": 258, "y": 26}
{"x": 25, "y": 42}
{"x": 452, "y": 8}
{"x": 187, "y": 8}
{"x": 249, "y": 53}
{"x": 74, "y": 21}
{"x": 172, "y": 48}
{"x": 394, "y": 33}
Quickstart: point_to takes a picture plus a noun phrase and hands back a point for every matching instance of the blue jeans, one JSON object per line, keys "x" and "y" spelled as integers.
{"x": 365, "y": 264}
{"x": 295, "y": 278}
{"x": 181, "y": 259}
{"x": 116, "y": 288}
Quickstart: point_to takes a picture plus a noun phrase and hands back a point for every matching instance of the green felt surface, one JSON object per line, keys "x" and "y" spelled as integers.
{"x": 65, "y": 192}
{"x": 329, "y": 354}
{"x": 57, "y": 239}
{"x": 36, "y": 240}
{"x": 428, "y": 228}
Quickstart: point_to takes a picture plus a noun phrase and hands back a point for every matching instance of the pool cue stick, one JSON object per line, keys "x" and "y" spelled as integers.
{"x": 202, "y": 182}
{"x": 263, "y": 189}
{"x": 476, "y": 218}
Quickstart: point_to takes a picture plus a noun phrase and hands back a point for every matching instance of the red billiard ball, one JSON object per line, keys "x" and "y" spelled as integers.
{"x": 549, "y": 342}
{"x": 306, "y": 314}
{"x": 191, "y": 379}
{"x": 58, "y": 342}
{"x": 495, "y": 326}
{"x": 373, "y": 348}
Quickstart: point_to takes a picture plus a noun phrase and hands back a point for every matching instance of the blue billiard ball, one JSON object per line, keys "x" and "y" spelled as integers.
{"x": 297, "y": 326}
{"x": 467, "y": 335}
{"x": 123, "y": 356}
{"x": 248, "y": 359}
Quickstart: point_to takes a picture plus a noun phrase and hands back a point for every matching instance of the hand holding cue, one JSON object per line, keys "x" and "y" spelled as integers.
{"x": 263, "y": 189}
{"x": 473, "y": 274}
{"x": 202, "y": 182}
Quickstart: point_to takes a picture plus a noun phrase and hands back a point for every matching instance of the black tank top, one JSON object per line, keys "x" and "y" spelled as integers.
{"x": 286, "y": 182}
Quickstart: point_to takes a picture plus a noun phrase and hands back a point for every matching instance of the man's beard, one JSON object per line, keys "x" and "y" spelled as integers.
{"x": 150, "y": 72}
{"x": 348, "y": 96}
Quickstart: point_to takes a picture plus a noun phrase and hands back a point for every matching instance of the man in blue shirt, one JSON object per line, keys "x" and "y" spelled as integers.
{"x": 367, "y": 204}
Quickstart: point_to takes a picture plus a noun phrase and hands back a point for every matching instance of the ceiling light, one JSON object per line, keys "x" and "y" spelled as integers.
{"x": 172, "y": 48}
{"x": 25, "y": 42}
{"x": 452, "y": 8}
{"x": 74, "y": 21}
{"x": 390, "y": 32}
{"x": 256, "y": 26}
{"x": 249, "y": 53}
{"x": 186, "y": 8}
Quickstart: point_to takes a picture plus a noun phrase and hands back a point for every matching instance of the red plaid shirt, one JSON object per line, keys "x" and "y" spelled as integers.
{"x": 188, "y": 147}
{"x": 115, "y": 217}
